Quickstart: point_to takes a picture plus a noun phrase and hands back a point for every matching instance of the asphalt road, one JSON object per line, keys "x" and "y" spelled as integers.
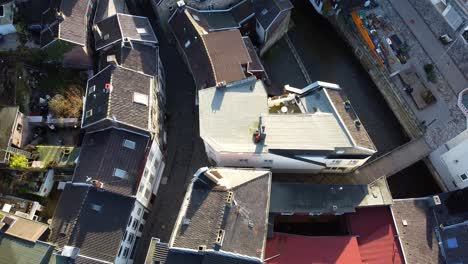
{"x": 185, "y": 152}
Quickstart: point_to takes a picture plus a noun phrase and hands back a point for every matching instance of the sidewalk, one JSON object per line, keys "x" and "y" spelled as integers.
{"x": 431, "y": 45}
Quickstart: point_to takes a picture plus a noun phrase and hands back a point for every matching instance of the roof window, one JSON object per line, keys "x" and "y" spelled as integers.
{"x": 121, "y": 174}
{"x": 264, "y": 12}
{"x": 129, "y": 144}
{"x": 452, "y": 242}
{"x": 140, "y": 98}
{"x": 142, "y": 31}
{"x": 92, "y": 89}
{"x": 89, "y": 113}
{"x": 96, "y": 207}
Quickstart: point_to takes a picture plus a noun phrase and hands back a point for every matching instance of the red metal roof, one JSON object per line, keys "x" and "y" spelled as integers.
{"x": 377, "y": 239}
{"x": 287, "y": 249}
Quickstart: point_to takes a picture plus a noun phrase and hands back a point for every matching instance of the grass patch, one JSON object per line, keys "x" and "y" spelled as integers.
{"x": 57, "y": 156}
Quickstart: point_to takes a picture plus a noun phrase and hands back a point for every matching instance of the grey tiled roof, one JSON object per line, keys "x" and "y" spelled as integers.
{"x": 118, "y": 104}
{"x": 244, "y": 222}
{"x": 266, "y": 11}
{"x": 139, "y": 57}
{"x": 107, "y": 8}
{"x": 429, "y": 227}
{"x": 117, "y": 28}
{"x": 102, "y": 152}
{"x": 97, "y": 233}
{"x": 75, "y": 25}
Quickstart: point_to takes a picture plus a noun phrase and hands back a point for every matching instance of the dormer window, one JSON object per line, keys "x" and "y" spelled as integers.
{"x": 106, "y": 37}
{"x": 140, "y": 98}
{"x": 92, "y": 89}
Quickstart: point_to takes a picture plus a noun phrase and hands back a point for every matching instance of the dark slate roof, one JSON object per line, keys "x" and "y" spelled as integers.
{"x": 427, "y": 222}
{"x": 102, "y": 152}
{"x": 244, "y": 221}
{"x": 117, "y": 103}
{"x": 107, "y": 8}
{"x": 123, "y": 26}
{"x": 138, "y": 57}
{"x": 348, "y": 117}
{"x": 255, "y": 65}
{"x": 74, "y": 27}
{"x": 191, "y": 44}
{"x": 164, "y": 255}
{"x": 266, "y": 11}
{"x": 8, "y": 118}
{"x": 231, "y": 18}
{"x": 97, "y": 234}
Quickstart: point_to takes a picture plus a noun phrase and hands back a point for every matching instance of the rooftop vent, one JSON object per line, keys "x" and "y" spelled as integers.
{"x": 108, "y": 87}
{"x": 436, "y": 199}
{"x": 404, "y": 222}
{"x": 65, "y": 228}
{"x": 220, "y": 237}
{"x": 140, "y": 98}
{"x": 358, "y": 124}
{"x": 112, "y": 59}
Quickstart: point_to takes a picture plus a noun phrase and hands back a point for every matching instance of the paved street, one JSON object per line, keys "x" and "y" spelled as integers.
{"x": 185, "y": 153}
{"x": 431, "y": 45}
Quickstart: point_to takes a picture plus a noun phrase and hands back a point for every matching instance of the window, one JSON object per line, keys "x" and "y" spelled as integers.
{"x": 142, "y": 31}
{"x": 452, "y": 242}
{"x": 106, "y": 37}
{"x": 187, "y": 44}
{"x": 147, "y": 193}
{"x": 135, "y": 224}
{"x": 129, "y": 221}
{"x": 140, "y": 98}
{"x": 129, "y": 144}
{"x": 92, "y": 89}
{"x": 139, "y": 211}
{"x": 264, "y": 12}
{"x": 134, "y": 247}
{"x": 130, "y": 238}
{"x": 145, "y": 215}
{"x": 125, "y": 252}
{"x": 463, "y": 177}
{"x": 141, "y": 227}
{"x": 125, "y": 236}
{"x": 140, "y": 190}
{"x": 89, "y": 113}
{"x": 121, "y": 174}
{"x": 120, "y": 251}
{"x": 19, "y": 128}
{"x": 151, "y": 180}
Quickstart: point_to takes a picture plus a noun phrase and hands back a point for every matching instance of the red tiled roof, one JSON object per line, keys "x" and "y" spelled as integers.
{"x": 377, "y": 239}
{"x": 287, "y": 248}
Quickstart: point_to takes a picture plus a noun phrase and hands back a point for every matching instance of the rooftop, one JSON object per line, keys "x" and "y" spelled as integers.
{"x": 122, "y": 95}
{"x": 20, "y": 227}
{"x": 13, "y": 250}
{"x": 205, "y": 48}
{"x": 107, "y": 8}
{"x": 74, "y": 24}
{"x": 138, "y": 57}
{"x": 421, "y": 222}
{"x": 225, "y": 210}
{"x": 287, "y": 248}
{"x": 113, "y": 157}
{"x": 8, "y": 116}
{"x": 231, "y": 114}
{"x": 266, "y": 11}
{"x": 322, "y": 199}
{"x": 123, "y": 28}
{"x": 18, "y": 206}
{"x": 92, "y": 220}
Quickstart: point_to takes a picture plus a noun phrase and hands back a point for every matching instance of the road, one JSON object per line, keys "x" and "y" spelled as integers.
{"x": 185, "y": 153}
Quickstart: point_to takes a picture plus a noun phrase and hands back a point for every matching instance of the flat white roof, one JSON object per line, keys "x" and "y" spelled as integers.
{"x": 229, "y": 116}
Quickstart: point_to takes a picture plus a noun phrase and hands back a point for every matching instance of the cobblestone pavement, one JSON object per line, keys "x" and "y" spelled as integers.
{"x": 185, "y": 153}
{"x": 444, "y": 118}
{"x": 458, "y": 50}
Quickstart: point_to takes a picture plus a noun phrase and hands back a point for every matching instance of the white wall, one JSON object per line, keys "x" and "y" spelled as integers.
{"x": 132, "y": 232}
{"x": 152, "y": 174}
{"x": 279, "y": 163}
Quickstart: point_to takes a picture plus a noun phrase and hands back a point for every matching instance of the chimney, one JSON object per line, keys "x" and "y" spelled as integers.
{"x": 98, "y": 30}
{"x": 111, "y": 59}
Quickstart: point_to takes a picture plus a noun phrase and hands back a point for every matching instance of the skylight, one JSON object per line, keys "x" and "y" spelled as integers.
{"x": 121, "y": 174}
{"x": 129, "y": 144}
{"x": 140, "y": 98}
{"x": 142, "y": 31}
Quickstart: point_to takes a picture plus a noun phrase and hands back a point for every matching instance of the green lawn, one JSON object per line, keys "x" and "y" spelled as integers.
{"x": 57, "y": 156}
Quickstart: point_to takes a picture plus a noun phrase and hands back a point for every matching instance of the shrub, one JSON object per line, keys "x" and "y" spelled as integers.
{"x": 18, "y": 161}
{"x": 430, "y": 73}
{"x": 67, "y": 106}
